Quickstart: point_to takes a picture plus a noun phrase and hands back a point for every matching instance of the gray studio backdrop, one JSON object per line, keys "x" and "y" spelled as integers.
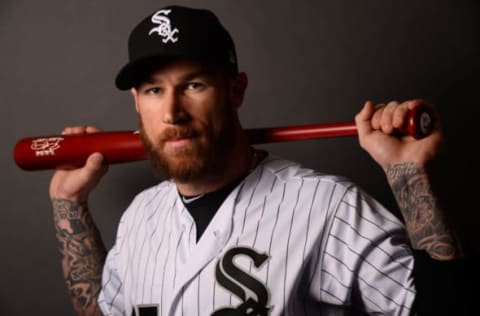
{"x": 307, "y": 61}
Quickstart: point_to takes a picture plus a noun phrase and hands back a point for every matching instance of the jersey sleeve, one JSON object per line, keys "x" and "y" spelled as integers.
{"x": 110, "y": 299}
{"x": 368, "y": 261}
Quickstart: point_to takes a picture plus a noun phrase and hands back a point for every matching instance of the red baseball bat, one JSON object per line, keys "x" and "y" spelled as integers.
{"x": 49, "y": 152}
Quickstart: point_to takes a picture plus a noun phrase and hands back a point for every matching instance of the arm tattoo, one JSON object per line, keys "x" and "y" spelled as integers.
{"x": 421, "y": 211}
{"x": 83, "y": 254}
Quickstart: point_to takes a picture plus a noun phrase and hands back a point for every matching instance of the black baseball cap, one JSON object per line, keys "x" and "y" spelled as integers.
{"x": 176, "y": 32}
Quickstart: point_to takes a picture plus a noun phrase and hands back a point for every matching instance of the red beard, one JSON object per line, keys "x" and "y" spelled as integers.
{"x": 192, "y": 161}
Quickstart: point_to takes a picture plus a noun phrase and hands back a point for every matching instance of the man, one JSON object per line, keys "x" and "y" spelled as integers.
{"x": 235, "y": 230}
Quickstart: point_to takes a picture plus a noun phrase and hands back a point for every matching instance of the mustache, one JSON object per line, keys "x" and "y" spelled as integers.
{"x": 174, "y": 133}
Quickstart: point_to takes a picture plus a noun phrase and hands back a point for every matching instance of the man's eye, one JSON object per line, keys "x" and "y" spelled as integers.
{"x": 153, "y": 90}
{"x": 194, "y": 85}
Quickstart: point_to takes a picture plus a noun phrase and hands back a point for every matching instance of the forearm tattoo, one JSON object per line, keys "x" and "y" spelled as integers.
{"x": 422, "y": 213}
{"x": 83, "y": 254}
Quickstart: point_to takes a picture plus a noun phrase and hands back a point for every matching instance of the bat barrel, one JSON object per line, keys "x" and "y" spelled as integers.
{"x": 49, "y": 152}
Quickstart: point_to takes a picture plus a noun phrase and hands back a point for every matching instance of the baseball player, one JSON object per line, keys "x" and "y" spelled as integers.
{"x": 234, "y": 230}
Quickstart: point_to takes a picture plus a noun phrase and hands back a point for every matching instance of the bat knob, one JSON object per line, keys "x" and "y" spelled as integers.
{"x": 420, "y": 122}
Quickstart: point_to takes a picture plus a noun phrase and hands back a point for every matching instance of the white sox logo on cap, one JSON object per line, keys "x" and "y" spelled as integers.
{"x": 164, "y": 28}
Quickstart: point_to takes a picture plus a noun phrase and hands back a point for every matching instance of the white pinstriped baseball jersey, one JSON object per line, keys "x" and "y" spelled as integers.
{"x": 286, "y": 241}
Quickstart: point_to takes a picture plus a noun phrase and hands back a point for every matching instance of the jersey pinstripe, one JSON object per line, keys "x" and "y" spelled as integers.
{"x": 286, "y": 241}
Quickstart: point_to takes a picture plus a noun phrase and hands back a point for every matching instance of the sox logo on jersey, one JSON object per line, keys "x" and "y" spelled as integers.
{"x": 228, "y": 275}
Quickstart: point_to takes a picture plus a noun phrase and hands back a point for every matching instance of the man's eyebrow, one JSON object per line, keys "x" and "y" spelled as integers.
{"x": 188, "y": 76}
{"x": 197, "y": 74}
{"x": 149, "y": 80}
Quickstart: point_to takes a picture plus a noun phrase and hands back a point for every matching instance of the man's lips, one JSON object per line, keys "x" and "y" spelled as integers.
{"x": 178, "y": 141}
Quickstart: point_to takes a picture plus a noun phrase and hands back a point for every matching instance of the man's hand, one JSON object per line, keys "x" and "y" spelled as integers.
{"x": 376, "y": 126}
{"x": 75, "y": 184}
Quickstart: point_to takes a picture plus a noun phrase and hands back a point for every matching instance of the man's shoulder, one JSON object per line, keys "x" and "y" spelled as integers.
{"x": 286, "y": 170}
{"x": 145, "y": 205}
{"x": 162, "y": 188}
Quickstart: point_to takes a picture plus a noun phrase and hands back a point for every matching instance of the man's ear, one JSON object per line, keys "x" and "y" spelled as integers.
{"x": 134, "y": 93}
{"x": 238, "y": 88}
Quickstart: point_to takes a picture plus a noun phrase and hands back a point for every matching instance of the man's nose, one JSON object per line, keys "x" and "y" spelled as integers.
{"x": 174, "y": 111}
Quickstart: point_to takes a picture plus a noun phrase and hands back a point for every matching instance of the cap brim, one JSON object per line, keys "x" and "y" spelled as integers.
{"x": 133, "y": 73}
{"x": 136, "y": 72}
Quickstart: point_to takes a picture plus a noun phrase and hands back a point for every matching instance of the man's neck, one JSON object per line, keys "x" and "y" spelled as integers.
{"x": 238, "y": 163}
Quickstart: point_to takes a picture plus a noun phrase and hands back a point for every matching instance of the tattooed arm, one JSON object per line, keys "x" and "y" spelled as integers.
{"x": 82, "y": 250}
{"x": 405, "y": 162}
{"x": 83, "y": 254}
{"x": 423, "y": 215}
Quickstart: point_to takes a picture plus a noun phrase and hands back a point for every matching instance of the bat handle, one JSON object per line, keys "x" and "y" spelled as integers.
{"x": 419, "y": 124}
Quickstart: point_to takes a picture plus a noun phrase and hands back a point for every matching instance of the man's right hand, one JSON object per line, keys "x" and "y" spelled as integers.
{"x": 75, "y": 184}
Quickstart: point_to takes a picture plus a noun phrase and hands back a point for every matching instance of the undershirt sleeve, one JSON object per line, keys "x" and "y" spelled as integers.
{"x": 442, "y": 287}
